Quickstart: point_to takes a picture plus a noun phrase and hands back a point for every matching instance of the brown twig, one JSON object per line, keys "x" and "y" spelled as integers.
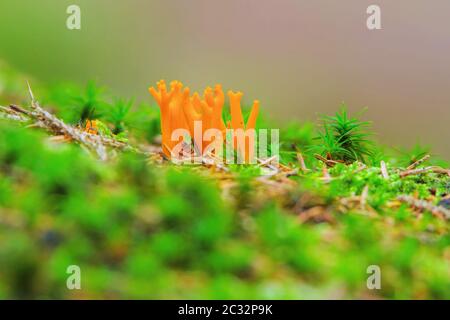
{"x": 301, "y": 160}
{"x": 418, "y": 162}
{"x": 425, "y": 205}
{"x": 326, "y": 174}
{"x": 44, "y": 119}
{"x": 363, "y": 198}
{"x": 434, "y": 169}
{"x": 384, "y": 171}
{"x": 328, "y": 162}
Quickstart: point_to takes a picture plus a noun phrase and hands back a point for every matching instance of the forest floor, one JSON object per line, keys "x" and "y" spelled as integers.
{"x": 337, "y": 206}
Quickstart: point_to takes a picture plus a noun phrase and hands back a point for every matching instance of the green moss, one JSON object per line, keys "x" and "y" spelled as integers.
{"x": 141, "y": 230}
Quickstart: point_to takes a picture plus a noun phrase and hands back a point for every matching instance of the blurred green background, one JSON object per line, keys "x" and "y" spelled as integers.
{"x": 300, "y": 58}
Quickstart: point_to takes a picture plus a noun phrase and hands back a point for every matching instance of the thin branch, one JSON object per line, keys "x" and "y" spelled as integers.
{"x": 434, "y": 169}
{"x": 44, "y": 119}
{"x": 364, "y": 195}
{"x": 328, "y": 162}
{"x": 301, "y": 160}
{"x": 418, "y": 162}
{"x": 326, "y": 174}
{"x": 424, "y": 205}
{"x": 384, "y": 171}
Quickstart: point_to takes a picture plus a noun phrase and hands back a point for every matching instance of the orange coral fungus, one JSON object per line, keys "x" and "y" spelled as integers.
{"x": 237, "y": 123}
{"x": 91, "y": 126}
{"x": 172, "y": 115}
{"x": 209, "y": 112}
{"x": 180, "y": 110}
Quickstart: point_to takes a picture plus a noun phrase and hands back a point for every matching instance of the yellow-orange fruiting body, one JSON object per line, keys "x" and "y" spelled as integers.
{"x": 179, "y": 110}
{"x": 172, "y": 116}
{"x": 237, "y": 122}
{"x": 91, "y": 126}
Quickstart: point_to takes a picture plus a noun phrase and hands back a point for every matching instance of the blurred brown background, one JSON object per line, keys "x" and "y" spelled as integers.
{"x": 300, "y": 58}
